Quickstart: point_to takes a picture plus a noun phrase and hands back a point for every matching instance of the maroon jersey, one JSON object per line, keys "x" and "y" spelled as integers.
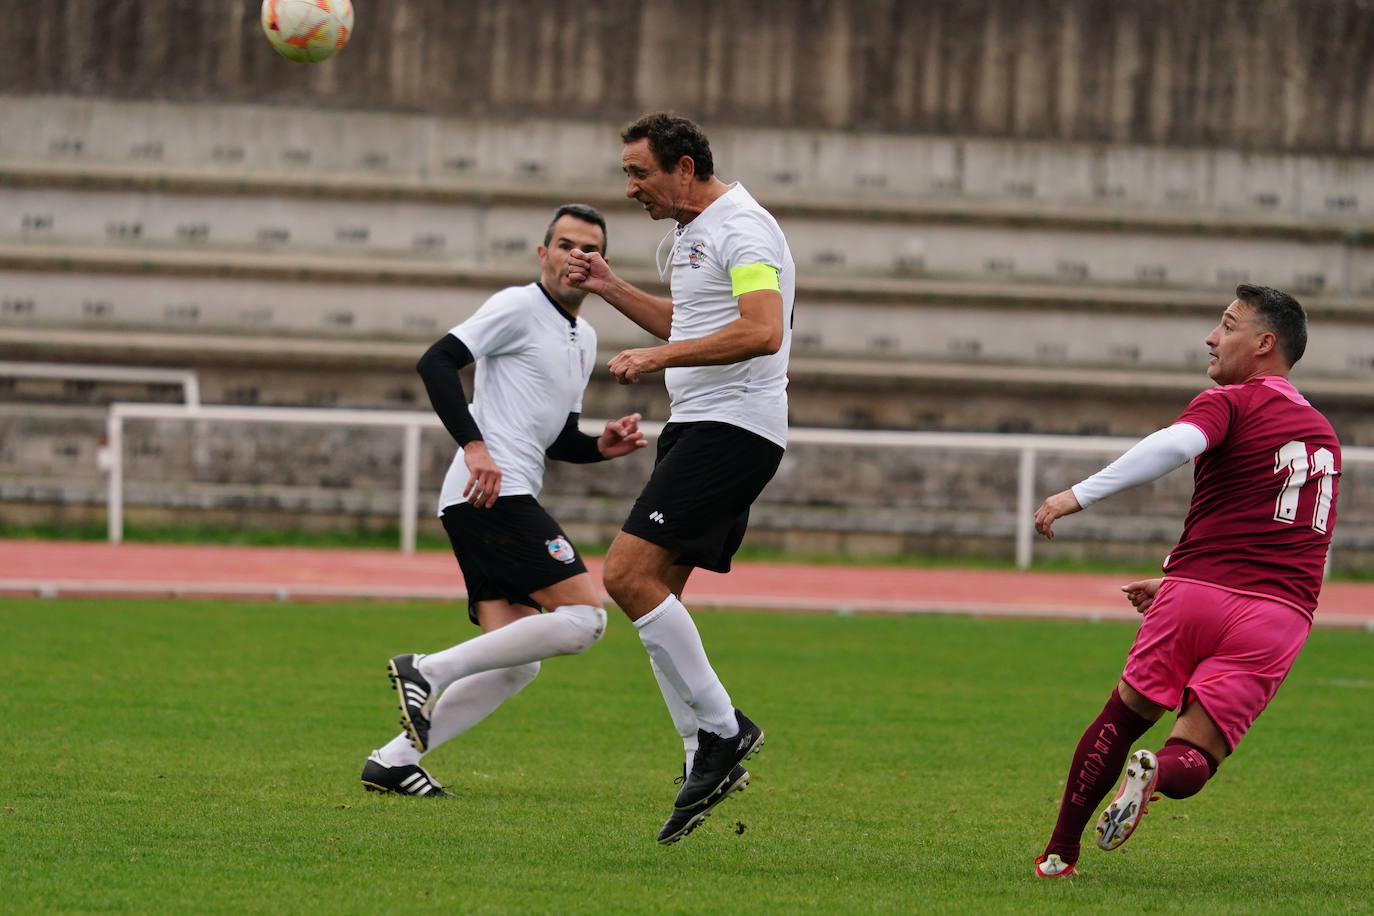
{"x": 1264, "y": 493}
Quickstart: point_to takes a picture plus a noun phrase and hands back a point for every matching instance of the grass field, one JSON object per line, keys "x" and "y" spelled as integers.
{"x": 204, "y": 756}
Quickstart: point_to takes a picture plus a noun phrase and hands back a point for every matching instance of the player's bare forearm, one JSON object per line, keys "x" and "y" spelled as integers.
{"x": 740, "y": 340}
{"x": 652, "y": 313}
{"x": 590, "y": 271}
{"x": 757, "y": 332}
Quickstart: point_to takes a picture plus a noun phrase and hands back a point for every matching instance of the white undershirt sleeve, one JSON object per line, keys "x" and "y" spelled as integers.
{"x": 1154, "y": 456}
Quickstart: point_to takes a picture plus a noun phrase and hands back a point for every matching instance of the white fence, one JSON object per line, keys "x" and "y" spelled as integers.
{"x": 1025, "y": 448}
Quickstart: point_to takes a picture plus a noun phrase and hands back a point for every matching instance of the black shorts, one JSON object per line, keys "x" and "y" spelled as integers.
{"x": 706, "y": 476}
{"x": 509, "y": 550}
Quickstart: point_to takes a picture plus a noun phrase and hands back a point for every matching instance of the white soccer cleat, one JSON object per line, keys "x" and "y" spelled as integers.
{"x": 1120, "y": 818}
{"x": 1051, "y": 866}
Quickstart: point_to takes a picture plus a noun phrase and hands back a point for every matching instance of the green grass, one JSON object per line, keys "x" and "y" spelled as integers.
{"x": 204, "y": 756}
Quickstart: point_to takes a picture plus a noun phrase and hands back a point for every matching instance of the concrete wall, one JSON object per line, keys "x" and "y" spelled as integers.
{"x": 1252, "y": 74}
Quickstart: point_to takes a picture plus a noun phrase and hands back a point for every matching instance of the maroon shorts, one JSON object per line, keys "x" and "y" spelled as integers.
{"x": 1229, "y": 650}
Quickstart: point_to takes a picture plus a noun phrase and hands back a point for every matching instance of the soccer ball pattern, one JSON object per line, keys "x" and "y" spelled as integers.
{"x": 307, "y": 31}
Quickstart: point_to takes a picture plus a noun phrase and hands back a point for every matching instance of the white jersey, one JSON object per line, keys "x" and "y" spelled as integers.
{"x": 732, "y": 232}
{"x": 533, "y": 363}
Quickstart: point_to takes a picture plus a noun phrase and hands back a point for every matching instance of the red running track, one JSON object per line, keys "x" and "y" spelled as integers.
{"x": 54, "y": 568}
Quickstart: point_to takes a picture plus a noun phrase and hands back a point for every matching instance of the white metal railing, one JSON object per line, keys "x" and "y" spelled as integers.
{"x": 186, "y": 378}
{"x": 1025, "y": 446}
{"x": 410, "y": 422}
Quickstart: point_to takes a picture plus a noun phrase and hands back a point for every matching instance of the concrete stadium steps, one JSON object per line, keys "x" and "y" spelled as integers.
{"x": 268, "y": 299}
{"x": 470, "y": 229}
{"x": 329, "y": 226}
{"x": 239, "y": 141}
{"x": 821, "y": 200}
{"x": 822, "y": 197}
{"x": 474, "y": 224}
{"x": 309, "y": 256}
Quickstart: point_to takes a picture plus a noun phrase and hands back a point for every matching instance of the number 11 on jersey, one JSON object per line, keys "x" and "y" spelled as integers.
{"x": 1293, "y": 459}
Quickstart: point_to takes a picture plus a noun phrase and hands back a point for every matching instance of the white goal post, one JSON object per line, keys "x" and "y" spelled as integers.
{"x": 410, "y": 422}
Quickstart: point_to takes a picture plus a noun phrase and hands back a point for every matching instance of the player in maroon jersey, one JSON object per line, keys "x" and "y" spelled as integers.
{"x": 1222, "y": 627}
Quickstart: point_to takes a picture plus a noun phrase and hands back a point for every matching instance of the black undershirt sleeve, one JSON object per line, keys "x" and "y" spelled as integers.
{"x": 439, "y": 370}
{"x": 573, "y": 445}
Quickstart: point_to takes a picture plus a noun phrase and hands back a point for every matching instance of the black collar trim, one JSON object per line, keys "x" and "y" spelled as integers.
{"x": 571, "y": 319}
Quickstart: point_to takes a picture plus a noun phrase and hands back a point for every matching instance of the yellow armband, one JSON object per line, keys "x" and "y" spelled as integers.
{"x": 751, "y": 277}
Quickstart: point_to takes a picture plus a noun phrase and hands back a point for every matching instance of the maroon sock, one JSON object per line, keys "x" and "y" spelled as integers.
{"x": 1097, "y": 762}
{"x": 1184, "y": 768}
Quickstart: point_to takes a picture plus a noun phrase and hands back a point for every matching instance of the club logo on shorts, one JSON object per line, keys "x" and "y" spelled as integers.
{"x": 696, "y": 255}
{"x": 561, "y": 550}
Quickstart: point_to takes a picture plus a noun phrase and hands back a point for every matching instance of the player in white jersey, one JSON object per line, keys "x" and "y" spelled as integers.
{"x": 728, "y": 328}
{"x": 534, "y": 356}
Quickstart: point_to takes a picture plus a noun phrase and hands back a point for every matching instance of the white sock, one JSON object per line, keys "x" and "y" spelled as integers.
{"x": 675, "y": 647}
{"x": 475, "y": 697}
{"x": 684, "y": 720}
{"x": 568, "y": 630}
{"x": 399, "y": 752}
{"x": 462, "y": 706}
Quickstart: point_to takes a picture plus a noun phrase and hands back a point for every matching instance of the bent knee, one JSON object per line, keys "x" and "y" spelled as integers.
{"x": 584, "y": 623}
{"x": 630, "y": 584}
{"x": 618, "y": 577}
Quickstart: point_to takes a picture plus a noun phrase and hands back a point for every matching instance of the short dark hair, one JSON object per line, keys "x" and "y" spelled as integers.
{"x": 1281, "y": 314}
{"x": 670, "y": 138}
{"x": 584, "y": 212}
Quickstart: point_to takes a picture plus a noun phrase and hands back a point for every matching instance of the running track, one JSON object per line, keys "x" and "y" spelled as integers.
{"x": 58, "y": 568}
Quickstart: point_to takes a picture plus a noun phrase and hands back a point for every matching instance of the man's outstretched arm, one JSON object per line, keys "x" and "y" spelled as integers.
{"x": 1154, "y": 456}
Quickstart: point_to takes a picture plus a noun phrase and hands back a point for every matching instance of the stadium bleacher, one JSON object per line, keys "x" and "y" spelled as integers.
{"x": 151, "y": 216}
{"x": 944, "y": 283}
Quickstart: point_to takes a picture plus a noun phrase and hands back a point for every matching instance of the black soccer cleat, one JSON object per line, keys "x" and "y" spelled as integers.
{"x": 407, "y": 780}
{"x": 682, "y": 822}
{"x": 415, "y": 698}
{"x": 715, "y": 762}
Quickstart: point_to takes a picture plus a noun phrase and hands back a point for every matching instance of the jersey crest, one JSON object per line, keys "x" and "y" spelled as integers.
{"x": 561, "y": 550}
{"x": 696, "y": 255}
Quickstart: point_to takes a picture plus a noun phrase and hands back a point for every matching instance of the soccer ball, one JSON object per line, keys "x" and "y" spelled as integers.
{"x": 307, "y": 31}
